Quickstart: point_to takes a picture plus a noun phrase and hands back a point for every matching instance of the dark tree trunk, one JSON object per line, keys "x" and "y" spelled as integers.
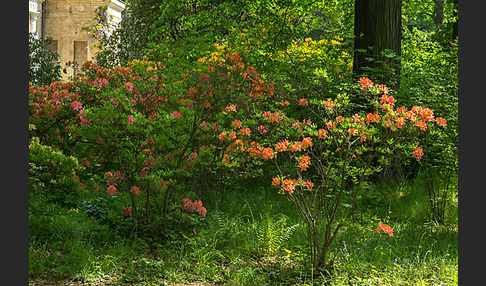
{"x": 455, "y": 31}
{"x": 378, "y": 27}
{"x": 438, "y": 15}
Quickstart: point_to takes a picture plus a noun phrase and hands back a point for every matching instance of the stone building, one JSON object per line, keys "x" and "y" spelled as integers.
{"x": 66, "y": 22}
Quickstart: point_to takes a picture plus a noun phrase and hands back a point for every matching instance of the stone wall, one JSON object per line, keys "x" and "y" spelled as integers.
{"x": 64, "y": 23}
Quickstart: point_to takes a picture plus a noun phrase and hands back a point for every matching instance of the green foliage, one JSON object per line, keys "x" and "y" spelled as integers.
{"x": 442, "y": 187}
{"x": 43, "y": 65}
{"x": 430, "y": 77}
{"x": 228, "y": 82}
{"x": 53, "y": 183}
{"x": 102, "y": 28}
{"x": 431, "y": 16}
{"x": 272, "y": 235}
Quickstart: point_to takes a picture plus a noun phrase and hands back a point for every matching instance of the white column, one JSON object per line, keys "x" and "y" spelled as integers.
{"x": 33, "y": 23}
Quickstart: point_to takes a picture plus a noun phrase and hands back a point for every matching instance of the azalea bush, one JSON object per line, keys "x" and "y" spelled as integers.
{"x": 324, "y": 160}
{"x": 146, "y": 139}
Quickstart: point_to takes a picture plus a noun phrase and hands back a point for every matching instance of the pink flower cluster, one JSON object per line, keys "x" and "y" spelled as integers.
{"x": 191, "y": 206}
{"x": 100, "y": 82}
{"x": 111, "y": 181}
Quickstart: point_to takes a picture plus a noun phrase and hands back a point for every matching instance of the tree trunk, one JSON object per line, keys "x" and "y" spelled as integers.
{"x": 438, "y": 15}
{"x": 455, "y": 31}
{"x": 378, "y": 27}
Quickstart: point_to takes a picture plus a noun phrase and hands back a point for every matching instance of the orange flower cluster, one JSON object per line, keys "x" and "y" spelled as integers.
{"x": 352, "y": 131}
{"x": 224, "y": 135}
{"x": 303, "y": 101}
{"x": 255, "y": 150}
{"x": 135, "y": 190}
{"x": 111, "y": 190}
{"x": 330, "y": 125}
{"x": 308, "y": 184}
{"x": 307, "y": 142}
{"x": 304, "y": 163}
{"x": 418, "y": 153}
{"x": 441, "y": 121}
{"x": 297, "y": 146}
{"x": 386, "y": 99}
{"x": 232, "y": 107}
{"x": 267, "y": 153}
{"x": 112, "y": 182}
{"x": 385, "y": 228}
{"x": 365, "y": 82}
{"x": 289, "y": 185}
{"x": 424, "y": 114}
{"x": 383, "y": 88}
{"x": 329, "y": 104}
{"x": 273, "y": 116}
{"x": 275, "y": 181}
{"x": 421, "y": 124}
{"x": 190, "y": 206}
{"x": 372, "y": 118}
{"x": 47, "y": 101}
{"x": 321, "y": 134}
{"x": 245, "y": 131}
{"x": 251, "y": 75}
{"x": 282, "y": 146}
{"x": 418, "y": 115}
{"x": 400, "y": 122}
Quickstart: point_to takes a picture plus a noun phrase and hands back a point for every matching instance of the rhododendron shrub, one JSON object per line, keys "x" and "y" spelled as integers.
{"x": 325, "y": 162}
{"x": 52, "y": 112}
{"x": 147, "y": 137}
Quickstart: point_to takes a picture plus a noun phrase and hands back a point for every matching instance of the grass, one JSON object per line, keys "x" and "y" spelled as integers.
{"x": 74, "y": 249}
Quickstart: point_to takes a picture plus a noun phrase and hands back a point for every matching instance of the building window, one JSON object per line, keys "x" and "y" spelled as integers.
{"x": 80, "y": 54}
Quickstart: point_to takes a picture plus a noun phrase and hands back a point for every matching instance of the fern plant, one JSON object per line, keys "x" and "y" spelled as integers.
{"x": 272, "y": 235}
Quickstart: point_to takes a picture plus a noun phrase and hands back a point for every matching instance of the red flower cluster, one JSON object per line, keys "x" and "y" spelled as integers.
{"x": 190, "y": 206}
{"x": 127, "y": 211}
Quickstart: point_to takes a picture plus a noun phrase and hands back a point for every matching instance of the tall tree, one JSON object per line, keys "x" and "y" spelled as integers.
{"x": 377, "y": 28}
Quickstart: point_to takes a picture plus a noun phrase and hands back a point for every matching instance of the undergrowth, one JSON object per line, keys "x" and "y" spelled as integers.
{"x": 256, "y": 242}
